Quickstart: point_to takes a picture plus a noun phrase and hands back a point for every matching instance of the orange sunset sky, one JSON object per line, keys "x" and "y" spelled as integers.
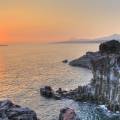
{"x": 56, "y": 20}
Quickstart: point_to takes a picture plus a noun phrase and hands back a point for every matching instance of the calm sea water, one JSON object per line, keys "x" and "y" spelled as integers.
{"x": 25, "y": 68}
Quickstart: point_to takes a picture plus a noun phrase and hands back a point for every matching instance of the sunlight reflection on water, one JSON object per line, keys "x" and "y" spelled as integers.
{"x": 24, "y": 68}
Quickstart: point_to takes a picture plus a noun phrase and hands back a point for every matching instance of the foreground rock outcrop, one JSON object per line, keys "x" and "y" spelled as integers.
{"x": 109, "y": 47}
{"x": 10, "y": 111}
{"x": 68, "y": 114}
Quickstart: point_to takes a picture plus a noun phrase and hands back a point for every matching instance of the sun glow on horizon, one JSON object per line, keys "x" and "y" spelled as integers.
{"x": 45, "y": 21}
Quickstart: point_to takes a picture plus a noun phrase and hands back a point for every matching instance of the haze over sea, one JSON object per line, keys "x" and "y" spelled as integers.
{"x": 25, "y": 68}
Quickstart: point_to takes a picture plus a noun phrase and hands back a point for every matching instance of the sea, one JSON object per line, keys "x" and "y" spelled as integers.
{"x": 25, "y": 68}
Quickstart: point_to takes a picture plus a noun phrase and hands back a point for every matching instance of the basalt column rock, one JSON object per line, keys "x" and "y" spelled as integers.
{"x": 106, "y": 79}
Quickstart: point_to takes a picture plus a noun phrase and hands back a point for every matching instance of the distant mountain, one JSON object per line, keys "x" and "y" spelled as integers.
{"x": 96, "y": 40}
{"x": 77, "y": 41}
{"x": 106, "y": 38}
{"x": 3, "y": 45}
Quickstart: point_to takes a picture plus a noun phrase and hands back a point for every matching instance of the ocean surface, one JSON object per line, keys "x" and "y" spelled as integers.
{"x": 25, "y": 68}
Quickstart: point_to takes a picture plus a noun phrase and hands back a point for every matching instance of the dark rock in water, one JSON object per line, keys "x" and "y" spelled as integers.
{"x": 47, "y": 92}
{"x": 68, "y": 114}
{"x": 57, "y": 96}
{"x": 10, "y": 111}
{"x": 60, "y": 91}
{"x": 65, "y": 61}
{"x": 112, "y": 46}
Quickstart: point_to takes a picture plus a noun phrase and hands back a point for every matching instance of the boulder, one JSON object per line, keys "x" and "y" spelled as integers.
{"x": 68, "y": 114}
{"x": 47, "y": 92}
{"x": 65, "y": 61}
{"x": 57, "y": 96}
{"x": 10, "y": 111}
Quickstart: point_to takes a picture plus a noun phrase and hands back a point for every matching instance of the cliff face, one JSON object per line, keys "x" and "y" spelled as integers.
{"x": 103, "y": 89}
{"x": 106, "y": 78}
{"x": 105, "y": 65}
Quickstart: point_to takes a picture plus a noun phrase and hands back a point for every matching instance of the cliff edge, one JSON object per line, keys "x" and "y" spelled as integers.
{"x": 109, "y": 47}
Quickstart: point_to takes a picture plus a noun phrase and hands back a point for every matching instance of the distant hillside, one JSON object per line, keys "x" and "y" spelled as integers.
{"x": 106, "y": 38}
{"x": 96, "y": 40}
{"x": 3, "y": 45}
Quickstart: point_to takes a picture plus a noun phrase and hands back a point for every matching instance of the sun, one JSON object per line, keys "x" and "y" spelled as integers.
{"x": 4, "y": 36}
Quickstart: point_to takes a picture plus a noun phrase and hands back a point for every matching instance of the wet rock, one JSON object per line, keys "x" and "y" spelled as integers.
{"x": 61, "y": 92}
{"x": 65, "y": 61}
{"x": 57, "y": 96}
{"x": 68, "y": 114}
{"x": 10, "y": 111}
{"x": 47, "y": 92}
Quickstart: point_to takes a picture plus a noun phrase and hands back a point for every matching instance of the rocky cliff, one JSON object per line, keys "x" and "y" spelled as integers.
{"x": 106, "y": 79}
{"x": 109, "y": 47}
{"x": 104, "y": 88}
{"x": 105, "y": 65}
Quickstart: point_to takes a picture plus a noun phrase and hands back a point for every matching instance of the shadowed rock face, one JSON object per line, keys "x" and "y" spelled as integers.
{"x": 106, "y": 77}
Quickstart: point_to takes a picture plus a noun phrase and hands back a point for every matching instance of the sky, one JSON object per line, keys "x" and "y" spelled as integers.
{"x": 29, "y": 21}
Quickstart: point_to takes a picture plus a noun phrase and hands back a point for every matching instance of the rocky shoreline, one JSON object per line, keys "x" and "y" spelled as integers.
{"x": 104, "y": 88}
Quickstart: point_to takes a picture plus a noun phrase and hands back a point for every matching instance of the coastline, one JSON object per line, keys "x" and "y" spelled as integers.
{"x": 99, "y": 90}
{"x": 52, "y": 103}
